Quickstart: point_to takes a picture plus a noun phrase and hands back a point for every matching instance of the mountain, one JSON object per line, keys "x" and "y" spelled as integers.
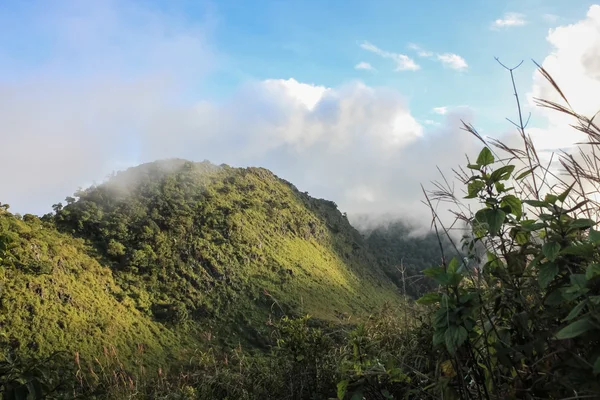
{"x": 55, "y": 297}
{"x": 168, "y": 253}
{"x": 402, "y": 254}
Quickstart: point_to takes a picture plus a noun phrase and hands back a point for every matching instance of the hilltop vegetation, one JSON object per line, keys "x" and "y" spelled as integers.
{"x": 173, "y": 257}
{"x": 55, "y": 297}
{"x": 191, "y": 241}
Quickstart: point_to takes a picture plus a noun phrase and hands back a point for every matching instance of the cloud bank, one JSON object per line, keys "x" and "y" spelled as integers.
{"x": 129, "y": 101}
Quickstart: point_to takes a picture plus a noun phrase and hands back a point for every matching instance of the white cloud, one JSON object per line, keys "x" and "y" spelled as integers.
{"x": 440, "y": 110}
{"x": 403, "y": 62}
{"x": 453, "y": 61}
{"x": 75, "y": 114}
{"x": 129, "y": 103}
{"x": 431, "y": 122}
{"x": 307, "y": 94}
{"x": 574, "y": 64}
{"x": 509, "y": 20}
{"x": 364, "y": 66}
{"x": 420, "y": 52}
{"x": 354, "y": 146}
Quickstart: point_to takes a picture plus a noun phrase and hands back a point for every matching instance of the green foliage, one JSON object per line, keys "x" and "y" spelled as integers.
{"x": 526, "y": 324}
{"x": 168, "y": 254}
{"x": 211, "y": 241}
{"x": 55, "y": 298}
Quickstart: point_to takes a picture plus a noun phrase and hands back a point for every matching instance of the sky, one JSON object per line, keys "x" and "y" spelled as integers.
{"x": 355, "y": 101}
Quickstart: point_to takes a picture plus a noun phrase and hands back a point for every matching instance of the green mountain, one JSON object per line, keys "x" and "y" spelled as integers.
{"x": 169, "y": 253}
{"x": 402, "y": 255}
{"x": 55, "y": 297}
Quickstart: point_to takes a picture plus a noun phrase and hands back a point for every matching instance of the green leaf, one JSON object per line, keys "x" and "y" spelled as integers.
{"x": 438, "y": 274}
{"x": 438, "y": 337}
{"x": 575, "y": 329}
{"x": 584, "y": 250}
{"x": 594, "y": 235}
{"x": 522, "y": 237}
{"x": 516, "y": 207}
{"x": 429, "y": 298}
{"x": 454, "y": 337}
{"x": 592, "y": 271}
{"x": 492, "y": 218}
{"x": 537, "y": 203}
{"x": 342, "y": 387}
{"x": 550, "y": 198}
{"x": 578, "y": 280}
{"x": 547, "y": 273}
{"x": 582, "y": 223}
{"x": 575, "y": 311}
{"x": 474, "y": 188}
{"x": 563, "y": 196}
{"x": 502, "y": 173}
{"x": 531, "y": 227}
{"x": 485, "y": 157}
{"x": 525, "y": 173}
{"x": 433, "y": 272}
{"x": 495, "y": 219}
{"x": 474, "y": 166}
{"x": 551, "y": 250}
{"x": 454, "y": 279}
{"x": 453, "y": 265}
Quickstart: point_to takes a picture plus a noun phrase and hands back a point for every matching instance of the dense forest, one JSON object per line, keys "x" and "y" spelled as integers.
{"x": 171, "y": 258}
{"x": 184, "y": 280}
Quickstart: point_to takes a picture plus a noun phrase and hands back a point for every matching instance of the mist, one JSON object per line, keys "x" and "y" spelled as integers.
{"x": 135, "y": 95}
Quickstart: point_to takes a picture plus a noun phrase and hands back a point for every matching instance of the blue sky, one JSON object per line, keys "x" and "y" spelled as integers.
{"x": 90, "y": 87}
{"x": 317, "y": 43}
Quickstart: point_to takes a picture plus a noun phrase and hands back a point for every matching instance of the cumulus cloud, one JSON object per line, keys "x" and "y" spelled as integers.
{"x": 403, "y": 62}
{"x": 573, "y": 63}
{"x": 440, "y": 110}
{"x": 509, "y": 20}
{"x": 126, "y": 103}
{"x": 364, "y": 66}
{"x": 358, "y": 146}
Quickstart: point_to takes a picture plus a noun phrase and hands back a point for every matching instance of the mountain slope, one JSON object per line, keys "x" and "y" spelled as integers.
{"x": 54, "y": 297}
{"x": 193, "y": 244}
{"x": 403, "y": 256}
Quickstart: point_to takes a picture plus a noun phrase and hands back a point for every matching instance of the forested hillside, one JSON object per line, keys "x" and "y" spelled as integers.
{"x": 168, "y": 252}
{"x": 403, "y": 256}
{"x": 188, "y": 241}
{"x": 56, "y": 297}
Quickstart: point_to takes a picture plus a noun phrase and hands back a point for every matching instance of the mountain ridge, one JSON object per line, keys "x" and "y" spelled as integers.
{"x": 191, "y": 250}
